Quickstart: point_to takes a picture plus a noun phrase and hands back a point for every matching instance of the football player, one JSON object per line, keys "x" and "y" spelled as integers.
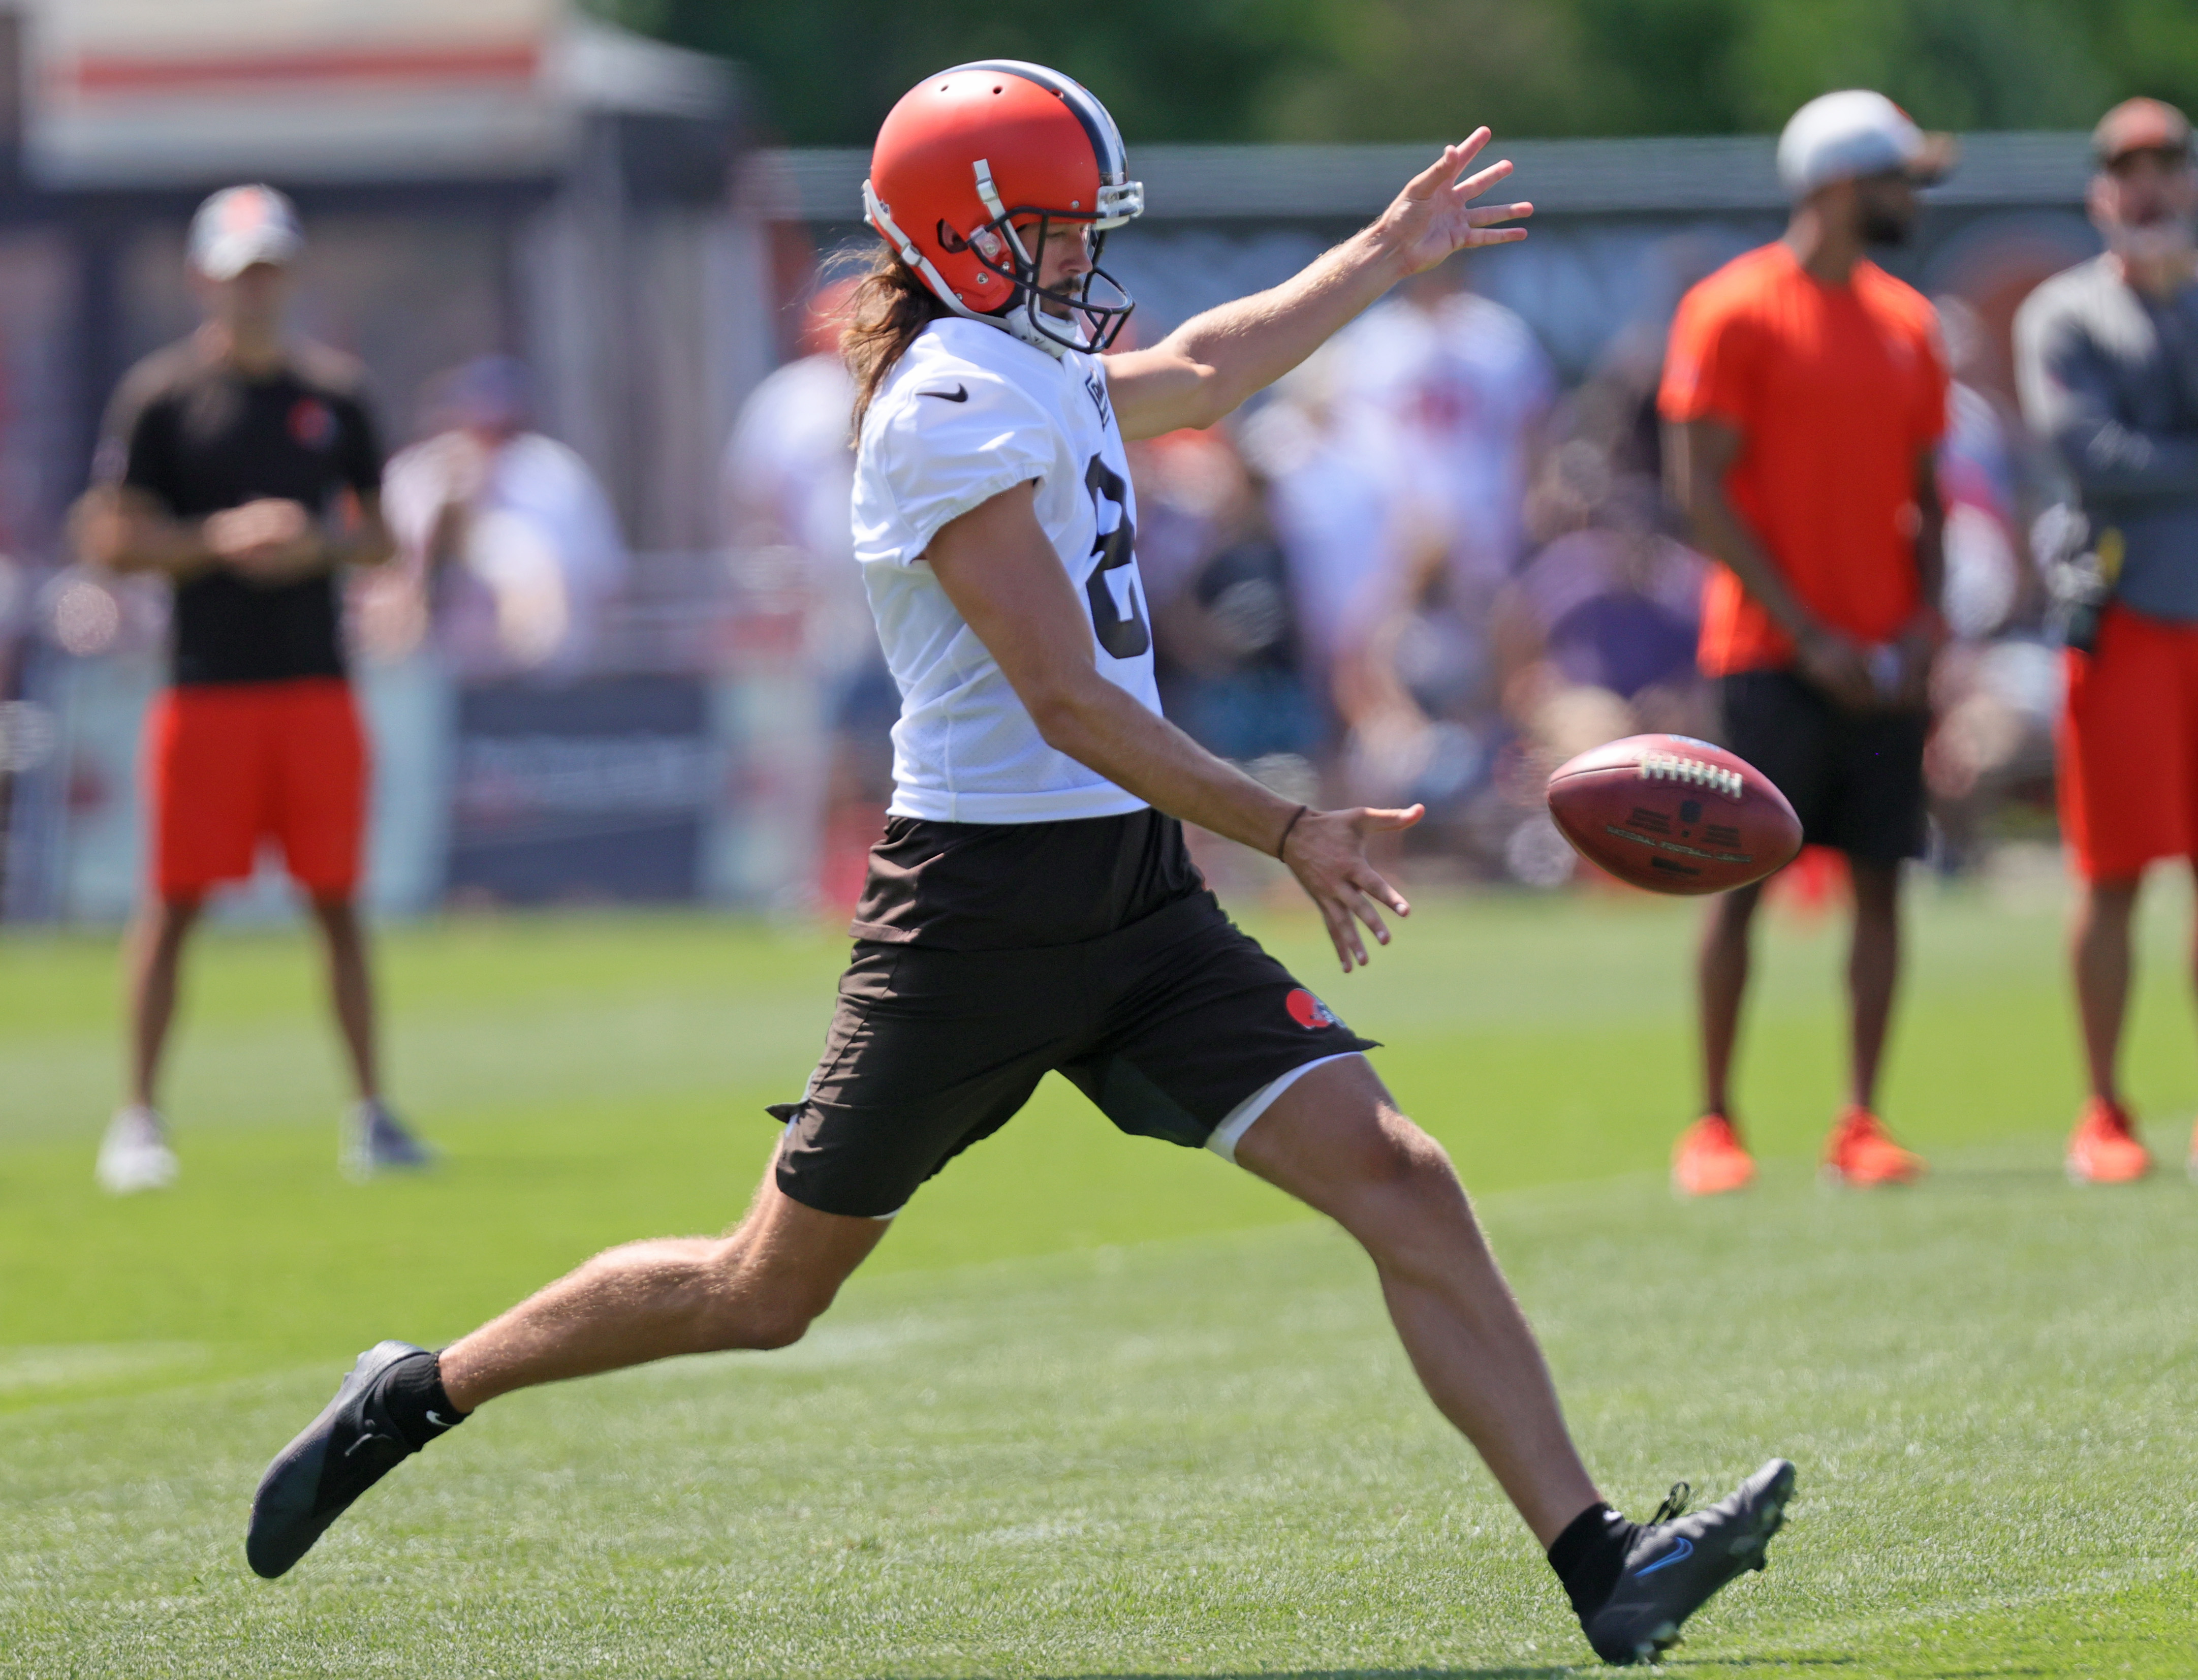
{"x": 1031, "y": 907}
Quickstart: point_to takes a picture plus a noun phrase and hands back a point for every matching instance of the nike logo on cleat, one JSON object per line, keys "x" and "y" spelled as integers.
{"x": 1680, "y": 1553}
{"x": 440, "y": 1422}
{"x": 959, "y": 393}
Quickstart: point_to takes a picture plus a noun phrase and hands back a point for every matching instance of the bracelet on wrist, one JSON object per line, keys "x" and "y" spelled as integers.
{"x": 1281, "y": 845}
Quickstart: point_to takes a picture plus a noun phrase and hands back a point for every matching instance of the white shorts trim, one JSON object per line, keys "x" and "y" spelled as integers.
{"x": 1224, "y": 1138}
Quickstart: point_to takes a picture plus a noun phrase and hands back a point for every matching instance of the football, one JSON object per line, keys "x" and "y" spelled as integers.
{"x": 1673, "y": 814}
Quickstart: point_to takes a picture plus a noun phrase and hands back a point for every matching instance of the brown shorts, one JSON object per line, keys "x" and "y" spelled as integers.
{"x": 1168, "y": 1025}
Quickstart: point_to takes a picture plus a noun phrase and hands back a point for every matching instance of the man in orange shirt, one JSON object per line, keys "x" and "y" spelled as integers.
{"x": 1803, "y": 397}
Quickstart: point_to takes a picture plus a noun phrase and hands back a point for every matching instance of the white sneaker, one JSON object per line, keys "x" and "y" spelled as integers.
{"x": 135, "y": 1155}
{"x": 373, "y": 1140}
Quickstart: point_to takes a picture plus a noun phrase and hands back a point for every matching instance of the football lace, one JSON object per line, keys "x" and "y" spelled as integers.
{"x": 1671, "y": 767}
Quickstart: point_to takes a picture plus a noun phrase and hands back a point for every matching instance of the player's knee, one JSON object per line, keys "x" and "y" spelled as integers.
{"x": 753, "y": 1309}
{"x": 778, "y": 1327}
{"x": 771, "y": 1317}
{"x": 1403, "y": 1169}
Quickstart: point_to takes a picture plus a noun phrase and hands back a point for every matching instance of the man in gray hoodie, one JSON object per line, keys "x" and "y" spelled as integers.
{"x": 2107, "y": 356}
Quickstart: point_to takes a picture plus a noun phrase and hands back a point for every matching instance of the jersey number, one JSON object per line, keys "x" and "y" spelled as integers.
{"x": 1124, "y": 638}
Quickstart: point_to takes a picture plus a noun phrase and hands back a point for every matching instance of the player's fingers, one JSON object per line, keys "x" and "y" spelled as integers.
{"x": 1334, "y": 933}
{"x": 1480, "y": 181}
{"x": 1374, "y": 887}
{"x": 1487, "y": 215}
{"x": 1436, "y": 176}
{"x": 1362, "y": 908}
{"x": 1375, "y": 819}
{"x": 1469, "y": 148}
{"x": 1345, "y": 932}
{"x": 1480, "y": 237}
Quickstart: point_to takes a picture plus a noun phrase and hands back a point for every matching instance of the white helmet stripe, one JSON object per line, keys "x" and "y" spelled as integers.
{"x": 1098, "y": 125}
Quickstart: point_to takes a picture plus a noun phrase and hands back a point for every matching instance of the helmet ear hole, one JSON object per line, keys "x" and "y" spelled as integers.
{"x": 949, "y": 240}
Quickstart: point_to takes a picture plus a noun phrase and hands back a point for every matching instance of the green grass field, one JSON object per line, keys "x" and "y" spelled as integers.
{"x": 1099, "y": 1407}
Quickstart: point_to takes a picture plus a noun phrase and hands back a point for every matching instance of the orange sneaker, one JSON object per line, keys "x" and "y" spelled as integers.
{"x": 2103, "y": 1149}
{"x": 1862, "y": 1153}
{"x": 1709, "y": 1160}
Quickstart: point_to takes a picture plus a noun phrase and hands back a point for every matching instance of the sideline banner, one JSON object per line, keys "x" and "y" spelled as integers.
{"x": 595, "y": 790}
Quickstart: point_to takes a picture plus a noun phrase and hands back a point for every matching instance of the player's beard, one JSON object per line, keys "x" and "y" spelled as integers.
{"x": 2166, "y": 239}
{"x": 1885, "y": 227}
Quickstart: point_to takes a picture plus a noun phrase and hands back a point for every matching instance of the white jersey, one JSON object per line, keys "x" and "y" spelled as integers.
{"x": 966, "y": 413}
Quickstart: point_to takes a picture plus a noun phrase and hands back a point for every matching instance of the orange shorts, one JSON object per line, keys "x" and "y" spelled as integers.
{"x": 2128, "y": 747}
{"x": 229, "y": 764}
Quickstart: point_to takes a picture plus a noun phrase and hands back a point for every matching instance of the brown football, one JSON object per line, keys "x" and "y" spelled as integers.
{"x": 1673, "y": 814}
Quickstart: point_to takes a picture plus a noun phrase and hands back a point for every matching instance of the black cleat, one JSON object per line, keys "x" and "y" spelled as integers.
{"x": 1677, "y": 1562}
{"x": 349, "y": 1447}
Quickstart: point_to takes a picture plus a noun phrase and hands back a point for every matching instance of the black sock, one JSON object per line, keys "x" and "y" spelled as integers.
{"x": 1589, "y": 1555}
{"x": 413, "y": 1392}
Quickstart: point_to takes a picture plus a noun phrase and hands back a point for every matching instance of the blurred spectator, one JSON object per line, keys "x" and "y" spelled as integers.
{"x": 789, "y": 472}
{"x": 1344, "y": 509}
{"x": 2108, "y": 356}
{"x": 242, "y": 466}
{"x": 1217, "y": 583}
{"x": 1990, "y": 478}
{"x": 1432, "y": 403}
{"x": 788, "y": 477}
{"x": 506, "y": 531}
{"x": 1466, "y": 384}
{"x": 1614, "y": 607}
{"x": 1804, "y": 399}
{"x": 1995, "y": 689}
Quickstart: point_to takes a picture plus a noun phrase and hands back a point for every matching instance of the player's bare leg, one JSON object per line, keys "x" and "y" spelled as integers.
{"x": 1860, "y": 1151}
{"x": 134, "y": 1153}
{"x": 154, "y": 963}
{"x": 351, "y": 990}
{"x": 759, "y": 1287}
{"x": 2104, "y": 1148}
{"x": 1710, "y": 1159}
{"x": 2100, "y": 952}
{"x": 1336, "y": 1141}
{"x": 1721, "y": 979}
{"x": 1872, "y": 971}
{"x": 373, "y": 1140}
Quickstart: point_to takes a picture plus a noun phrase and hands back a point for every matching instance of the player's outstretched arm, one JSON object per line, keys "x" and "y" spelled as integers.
{"x": 999, "y": 569}
{"x": 1208, "y": 366}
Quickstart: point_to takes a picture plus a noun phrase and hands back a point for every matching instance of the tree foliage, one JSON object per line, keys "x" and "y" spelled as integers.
{"x": 826, "y": 70}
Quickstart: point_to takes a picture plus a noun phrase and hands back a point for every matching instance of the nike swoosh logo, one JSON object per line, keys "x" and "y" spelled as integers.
{"x": 959, "y": 393}
{"x": 1679, "y": 1554}
{"x": 446, "y": 1423}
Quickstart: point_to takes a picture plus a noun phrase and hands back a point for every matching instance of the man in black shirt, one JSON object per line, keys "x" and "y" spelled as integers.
{"x": 245, "y": 468}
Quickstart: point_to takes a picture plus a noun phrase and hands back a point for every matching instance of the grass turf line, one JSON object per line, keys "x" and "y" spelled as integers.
{"x": 1104, "y": 1408}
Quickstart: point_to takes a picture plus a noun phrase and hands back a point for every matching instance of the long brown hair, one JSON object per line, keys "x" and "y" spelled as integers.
{"x": 890, "y": 307}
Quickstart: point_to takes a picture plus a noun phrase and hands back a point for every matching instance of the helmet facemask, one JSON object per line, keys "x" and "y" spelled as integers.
{"x": 1097, "y": 303}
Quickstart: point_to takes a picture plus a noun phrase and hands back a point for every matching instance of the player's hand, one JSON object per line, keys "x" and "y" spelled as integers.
{"x": 1325, "y": 851}
{"x": 1837, "y": 664}
{"x": 270, "y": 541}
{"x": 1919, "y": 646}
{"x": 1435, "y": 216}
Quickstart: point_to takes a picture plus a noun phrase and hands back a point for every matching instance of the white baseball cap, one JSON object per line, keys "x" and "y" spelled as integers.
{"x": 240, "y": 226}
{"x": 1837, "y": 137}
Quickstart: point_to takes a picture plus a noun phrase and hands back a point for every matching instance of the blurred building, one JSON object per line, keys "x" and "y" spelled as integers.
{"x": 501, "y": 176}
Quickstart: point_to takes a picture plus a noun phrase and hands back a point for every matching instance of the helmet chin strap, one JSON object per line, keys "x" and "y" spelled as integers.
{"x": 1013, "y": 322}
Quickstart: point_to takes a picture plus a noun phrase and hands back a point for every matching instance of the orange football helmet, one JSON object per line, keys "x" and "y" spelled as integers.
{"x": 971, "y": 159}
